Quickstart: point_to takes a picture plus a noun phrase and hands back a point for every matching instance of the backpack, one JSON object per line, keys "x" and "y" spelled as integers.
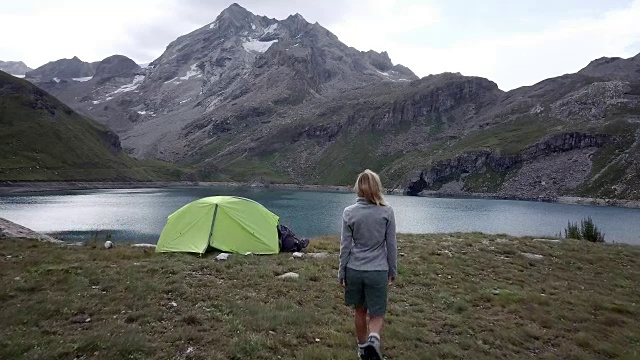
{"x": 289, "y": 242}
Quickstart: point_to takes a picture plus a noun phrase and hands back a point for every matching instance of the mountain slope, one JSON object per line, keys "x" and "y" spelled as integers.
{"x": 248, "y": 97}
{"x": 14, "y": 67}
{"x": 241, "y": 66}
{"x": 43, "y": 139}
{"x": 62, "y": 69}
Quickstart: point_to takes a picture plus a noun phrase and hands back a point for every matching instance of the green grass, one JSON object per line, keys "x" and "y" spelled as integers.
{"x": 457, "y": 296}
{"x": 487, "y": 182}
{"x": 509, "y": 137}
{"x": 349, "y": 155}
{"x": 43, "y": 139}
{"x": 607, "y": 170}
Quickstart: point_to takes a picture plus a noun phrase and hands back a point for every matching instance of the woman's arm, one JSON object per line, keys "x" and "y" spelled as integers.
{"x": 392, "y": 246}
{"x": 346, "y": 244}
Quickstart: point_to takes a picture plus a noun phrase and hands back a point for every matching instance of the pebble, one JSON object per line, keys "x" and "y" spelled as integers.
{"x": 532, "y": 256}
{"x": 222, "y": 256}
{"x": 289, "y": 275}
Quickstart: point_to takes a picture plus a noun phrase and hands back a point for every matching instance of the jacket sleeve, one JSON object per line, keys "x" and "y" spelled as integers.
{"x": 392, "y": 245}
{"x": 346, "y": 245}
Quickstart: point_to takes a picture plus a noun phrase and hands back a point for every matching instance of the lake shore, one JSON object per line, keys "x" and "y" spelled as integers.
{"x": 457, "y": 296}
{"x": 18, "y": 188}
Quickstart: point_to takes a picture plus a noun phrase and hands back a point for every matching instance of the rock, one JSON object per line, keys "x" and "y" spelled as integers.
{"x": 445, "y": 252}
{"x": 495, "y": 292}
{"x": 108, "y": 244}
{"x": 10, "y": 229}
{"x": 548, "y": 240}
{"x": 80, "y": 319}
{"x": 297, "y": 255}
{"x": 289, "y": 275}
{"x": 222, "y": 256}
{"x": 532, "y": 256}
{"x": 172, "y": 305}
{"x": 144, "y": 245}
{"x": 320, "y": 255}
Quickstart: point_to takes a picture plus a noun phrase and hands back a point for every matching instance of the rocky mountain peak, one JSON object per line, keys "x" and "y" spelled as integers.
{"x": 14, "y": 67}
{"x": 62, "y": 69}
{"x": 116, "y": 66}
{"x": 235, "y": 17}
{"x": 614, "y": 68}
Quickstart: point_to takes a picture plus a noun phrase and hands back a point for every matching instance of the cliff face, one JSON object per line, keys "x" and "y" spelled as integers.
{"x": 556, "y": 165}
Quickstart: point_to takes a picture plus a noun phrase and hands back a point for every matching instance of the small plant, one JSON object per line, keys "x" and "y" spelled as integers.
{"x": 586, "y": 231}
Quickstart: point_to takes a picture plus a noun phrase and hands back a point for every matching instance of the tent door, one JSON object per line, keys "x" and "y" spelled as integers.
{"x": 213, "y": 222}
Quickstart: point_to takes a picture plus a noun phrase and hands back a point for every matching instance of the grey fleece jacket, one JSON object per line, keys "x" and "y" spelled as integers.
{"x": 368, "y": 239}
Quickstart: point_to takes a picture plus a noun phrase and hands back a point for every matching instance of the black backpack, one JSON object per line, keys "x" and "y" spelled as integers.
{"x": 289, "y": 242}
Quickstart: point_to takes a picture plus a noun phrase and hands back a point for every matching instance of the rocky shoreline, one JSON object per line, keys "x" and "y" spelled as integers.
{"x": 16, "y": 188}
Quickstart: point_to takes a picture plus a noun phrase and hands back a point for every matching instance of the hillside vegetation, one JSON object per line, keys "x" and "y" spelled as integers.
{"x": 457, "y": 296}
{"x": 43, "y": 139}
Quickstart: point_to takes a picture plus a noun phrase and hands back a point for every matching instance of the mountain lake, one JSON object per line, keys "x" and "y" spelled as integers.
{"x": 138, "y": 215}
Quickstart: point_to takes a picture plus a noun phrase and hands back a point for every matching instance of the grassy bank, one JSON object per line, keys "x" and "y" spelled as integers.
{"x": 458, "y": 296}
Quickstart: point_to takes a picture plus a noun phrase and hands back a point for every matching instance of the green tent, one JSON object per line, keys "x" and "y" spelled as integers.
{"x": 227, "y": 223}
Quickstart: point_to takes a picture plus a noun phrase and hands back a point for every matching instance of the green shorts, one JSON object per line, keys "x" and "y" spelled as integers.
{"x": 367, "y": 289}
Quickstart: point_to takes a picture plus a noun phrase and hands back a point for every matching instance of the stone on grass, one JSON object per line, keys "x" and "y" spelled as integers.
{"x": 222, "y": 256}
{"x": 144, "y": 245}
{"x": 289, "y": 275}
{"x": 320, "y": 255}
{"x": 297, "y": 255}
{"x": 532, "y": 256}
{"x": 495, "y": 292}
{"x": 108, "y": 244}
{"x": 548, "y": 240}
{"x": 81, "y": 319}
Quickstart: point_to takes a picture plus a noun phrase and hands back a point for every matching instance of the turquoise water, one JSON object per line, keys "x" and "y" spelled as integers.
{"x": 139, "y": 214}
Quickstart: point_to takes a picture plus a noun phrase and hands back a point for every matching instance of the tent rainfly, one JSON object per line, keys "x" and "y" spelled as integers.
{"x": 226, "y": 223}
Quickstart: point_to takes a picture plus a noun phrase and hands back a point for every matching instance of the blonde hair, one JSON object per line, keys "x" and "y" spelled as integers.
{"x": 369, "y": 186}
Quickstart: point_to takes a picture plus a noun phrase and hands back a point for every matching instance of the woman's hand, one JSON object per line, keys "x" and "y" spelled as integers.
{"x": 343, "y": 283}
{"x": 391, "y": 280}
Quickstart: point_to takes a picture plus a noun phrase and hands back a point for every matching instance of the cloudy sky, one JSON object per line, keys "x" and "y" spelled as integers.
{"x": 512, "y": 42}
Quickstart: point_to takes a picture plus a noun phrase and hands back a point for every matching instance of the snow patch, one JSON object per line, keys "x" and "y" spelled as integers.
{"x": 18, "y": 76}
{"x": 184, "y": 101}
{"x": 214, "y": 25}
{"x": 130, "y": 87}
{"x": 296, "y": 45}
{"x": 145, "y": 112}
{"x": 404, "y": 80}
{"x": 253, "y": 26}
{"x": 56, "y": 80}
{"x": 259, "y": 46}
{"x": 174, "y": 80}
{"x": 96, "y": 102}
{"x": 271, "y": 28}
{"x": 383, "y": 73}
{"x": 194, "y": 72}
{"x": 83, "y": 79}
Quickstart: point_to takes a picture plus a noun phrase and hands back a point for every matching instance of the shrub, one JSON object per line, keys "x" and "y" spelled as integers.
{"x": 586, "y": 231}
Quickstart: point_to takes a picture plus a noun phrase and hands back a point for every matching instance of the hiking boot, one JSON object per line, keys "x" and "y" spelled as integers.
{"x": 361, "y": 351}
{"x": 372, "y": 350}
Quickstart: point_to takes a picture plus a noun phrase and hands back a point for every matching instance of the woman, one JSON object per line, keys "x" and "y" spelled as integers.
{"x": 368, "y": 261}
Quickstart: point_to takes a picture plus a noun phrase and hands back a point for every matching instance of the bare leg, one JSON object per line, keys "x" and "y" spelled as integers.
{"x": 361, "y": 325}
{"x": 375, "y": 324}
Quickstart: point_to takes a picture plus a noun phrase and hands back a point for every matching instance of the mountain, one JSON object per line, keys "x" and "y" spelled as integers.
{"x": 67, "y": 69}
{"x": 614, "y": 68}
{"x": 14, "y": 67}
{"x": 248, "y": 97}
{"x": 43, "y": 139}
